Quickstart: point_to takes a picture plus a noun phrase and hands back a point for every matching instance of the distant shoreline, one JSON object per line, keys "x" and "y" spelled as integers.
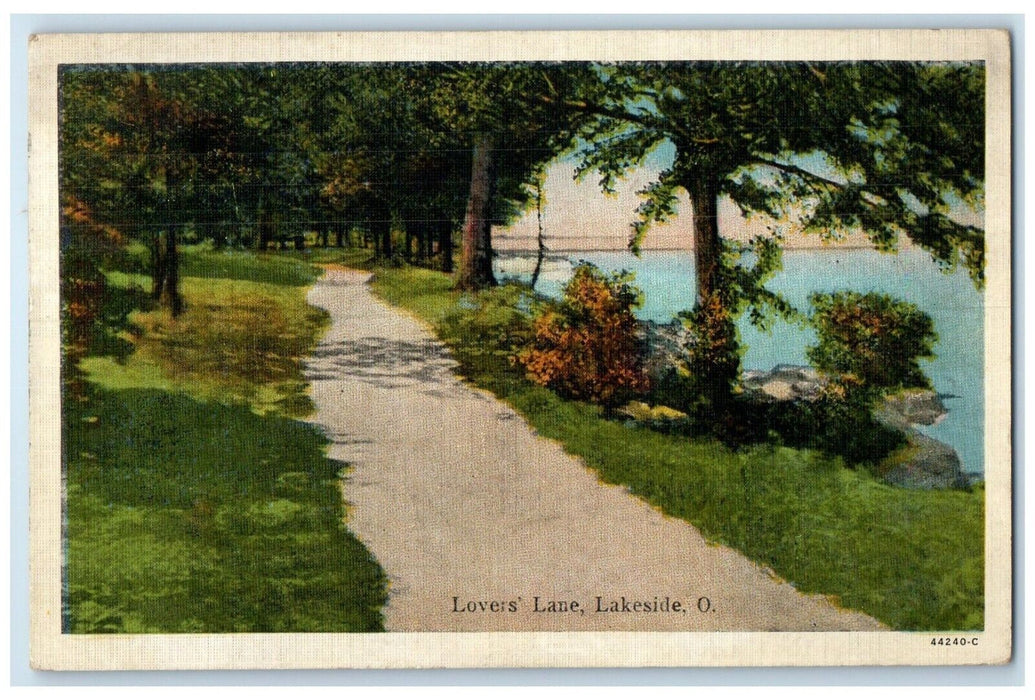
{"x": 568, "y": 251}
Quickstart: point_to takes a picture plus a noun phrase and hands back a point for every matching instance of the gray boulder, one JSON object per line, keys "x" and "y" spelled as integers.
{"x": 924, "y": 463}
{"x": 783, "y": 383}
{"x": 911, "y": 407}
{"x": 664, "y": 343}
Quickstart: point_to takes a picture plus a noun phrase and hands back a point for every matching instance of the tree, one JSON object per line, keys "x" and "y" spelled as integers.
{"x": 371, "y": 148}
{"x": 890, "y": 149}
{"x": 510, "y": 117}
{"x": 137, "y": 151}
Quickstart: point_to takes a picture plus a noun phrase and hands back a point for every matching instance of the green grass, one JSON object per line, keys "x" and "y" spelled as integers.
{"x": 237, "y": 341}
{"x": 351, "y": 257}
{"x": 195, "y": 502}
{"x": 912, "y": 559}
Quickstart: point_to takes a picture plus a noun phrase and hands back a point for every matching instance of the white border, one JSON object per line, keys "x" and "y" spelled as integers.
{"x": 50, "y": 649}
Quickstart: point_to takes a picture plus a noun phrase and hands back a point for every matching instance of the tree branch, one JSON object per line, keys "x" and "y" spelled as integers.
{"x": 802, "y": 172}
{"x": 644, "y": 120}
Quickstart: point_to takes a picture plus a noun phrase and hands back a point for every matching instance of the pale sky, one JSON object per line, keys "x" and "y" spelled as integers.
{"x": 578, "y": 216}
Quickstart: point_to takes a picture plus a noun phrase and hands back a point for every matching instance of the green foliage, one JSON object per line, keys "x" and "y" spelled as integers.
{"x": 588, "y": 347}
{"x": 839, "y": 422}
{"x": 912, "y": 559}
{"x": 873, "y": 337}
{"x": 712, "y": 358}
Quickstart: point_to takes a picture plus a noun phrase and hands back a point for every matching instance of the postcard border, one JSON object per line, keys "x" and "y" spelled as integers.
{"x": 51, "y": 649}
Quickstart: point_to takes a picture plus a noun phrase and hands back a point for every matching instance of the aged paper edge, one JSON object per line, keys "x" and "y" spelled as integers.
{"x": 50, "y": 649}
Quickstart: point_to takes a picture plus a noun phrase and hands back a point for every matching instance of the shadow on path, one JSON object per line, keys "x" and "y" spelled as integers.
{"x": 388, "y": 364}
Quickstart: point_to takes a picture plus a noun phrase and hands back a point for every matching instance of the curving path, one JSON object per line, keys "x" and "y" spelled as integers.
{"x": 473, "y": 516}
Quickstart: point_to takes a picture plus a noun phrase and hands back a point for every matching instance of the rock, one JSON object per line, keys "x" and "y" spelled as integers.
{"x": 665, "y": 343}
{"x": 779, "y": 390}
{"x": 640, "y": 412}
{"x": 783, "y": 383}
{"x": 924, "y": 463}
{"x": 911, "y": 407}
{"x": 796, "y": 373}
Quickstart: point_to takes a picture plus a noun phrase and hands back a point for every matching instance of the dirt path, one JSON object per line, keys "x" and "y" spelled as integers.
{"x": 473, "y": 516}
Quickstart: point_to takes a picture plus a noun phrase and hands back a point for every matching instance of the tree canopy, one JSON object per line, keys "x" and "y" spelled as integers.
{"x": 893, "y": 150}
{"x": 249, "y": 154}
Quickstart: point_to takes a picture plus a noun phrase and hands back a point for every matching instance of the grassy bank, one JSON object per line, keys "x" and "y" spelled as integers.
{"x": 195, "y": 501}
{"x": 913, "y": 559}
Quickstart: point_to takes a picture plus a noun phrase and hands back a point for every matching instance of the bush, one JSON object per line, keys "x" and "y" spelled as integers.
{"x": 839, "y": 422}
{"x": 874, "y": 337}
{"x": 588, "y": 347}
{"x": 712, "y": 355}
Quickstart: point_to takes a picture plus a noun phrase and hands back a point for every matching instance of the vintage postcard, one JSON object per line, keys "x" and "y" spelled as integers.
{"x": 490, "y": 349}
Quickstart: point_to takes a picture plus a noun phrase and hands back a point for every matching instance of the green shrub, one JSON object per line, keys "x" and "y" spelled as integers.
{"x": 839, "y": 422}
{"x": 588, "y": 347}
{"x": 712, "y": 356}
{"x": 874, "y": 337}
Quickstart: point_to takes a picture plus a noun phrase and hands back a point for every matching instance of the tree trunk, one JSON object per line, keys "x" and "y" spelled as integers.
{"x": 426, "y": 243}
{"x": 265, "y": 232}
{"x": 541, "y": 242}
{"x": 408, "y": 243}
{"x": 445, "y": 245}
{"x": 386, "y": 240}
{"x": 157, "y": 265}
{"x": 476, "y": 254}
{"x": 170, "y": 294}
{"x": 715, "y": 356}
{"x": 704, "y": 195}
{"x": 381, "y": 229}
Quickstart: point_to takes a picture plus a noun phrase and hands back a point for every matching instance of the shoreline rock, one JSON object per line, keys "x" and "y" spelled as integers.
{"x": 922, "y": 463}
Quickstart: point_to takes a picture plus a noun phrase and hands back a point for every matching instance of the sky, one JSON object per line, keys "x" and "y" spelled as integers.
{"x": 577, "y": 215}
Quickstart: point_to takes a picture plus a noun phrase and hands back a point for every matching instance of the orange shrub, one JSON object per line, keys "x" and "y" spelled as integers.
{"x": 588, "y": 346}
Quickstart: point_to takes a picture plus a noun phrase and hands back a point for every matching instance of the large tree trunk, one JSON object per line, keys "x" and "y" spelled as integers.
{"x": 476, "y": 255}
{"x": 157, "y": 249}
{"x": 704, "y": 195}
{"x": 715, "y": 357}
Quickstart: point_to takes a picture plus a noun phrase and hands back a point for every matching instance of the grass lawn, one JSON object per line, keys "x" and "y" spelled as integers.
{"x": 195, "y": 501}
{"x": 912, "y": 559}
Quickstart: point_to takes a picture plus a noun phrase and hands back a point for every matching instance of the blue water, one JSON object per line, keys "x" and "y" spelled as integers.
{"x": 957, "y": 371}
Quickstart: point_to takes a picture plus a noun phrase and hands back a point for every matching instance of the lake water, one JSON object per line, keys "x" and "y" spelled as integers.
{"x": 667, "y": 281}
